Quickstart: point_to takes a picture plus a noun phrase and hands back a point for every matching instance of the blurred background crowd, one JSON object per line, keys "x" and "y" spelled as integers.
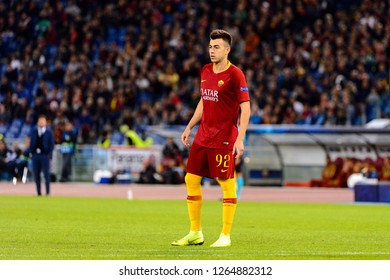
{"x": 99, "y": 63}
{"x": 103, "y": 64}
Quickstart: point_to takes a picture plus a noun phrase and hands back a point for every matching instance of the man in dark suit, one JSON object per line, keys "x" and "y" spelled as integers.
{"x": 41, "y": 148}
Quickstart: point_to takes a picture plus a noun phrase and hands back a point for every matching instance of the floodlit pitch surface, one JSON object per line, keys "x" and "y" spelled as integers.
{"x": 64, "y": 228}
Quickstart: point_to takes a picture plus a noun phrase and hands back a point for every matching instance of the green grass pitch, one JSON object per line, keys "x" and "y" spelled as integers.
{"x": 60, "y": 228}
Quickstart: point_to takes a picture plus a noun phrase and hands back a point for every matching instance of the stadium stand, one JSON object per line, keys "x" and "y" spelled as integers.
{"x": 307, "y": 62}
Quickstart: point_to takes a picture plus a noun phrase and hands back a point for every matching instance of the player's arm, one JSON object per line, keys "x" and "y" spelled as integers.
{"x": 238, "y": 147}
{"x": 194, "y": 120}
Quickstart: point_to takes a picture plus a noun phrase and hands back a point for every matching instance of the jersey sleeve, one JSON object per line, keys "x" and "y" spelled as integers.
{"x": 241, "y": 88}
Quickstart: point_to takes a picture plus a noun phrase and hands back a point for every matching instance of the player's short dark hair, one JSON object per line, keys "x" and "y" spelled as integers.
{"x": 221, "y": 34}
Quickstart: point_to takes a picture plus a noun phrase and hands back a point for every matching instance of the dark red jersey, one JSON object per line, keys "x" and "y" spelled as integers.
{"x": 222, "y": 94}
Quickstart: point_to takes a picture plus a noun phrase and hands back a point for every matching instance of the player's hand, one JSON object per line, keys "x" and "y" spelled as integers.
{"x": 185, "y": 137}
{"x": 238, "y": 148}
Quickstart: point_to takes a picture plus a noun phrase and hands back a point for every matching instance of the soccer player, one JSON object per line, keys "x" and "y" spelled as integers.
{"x": 224, "y": 92}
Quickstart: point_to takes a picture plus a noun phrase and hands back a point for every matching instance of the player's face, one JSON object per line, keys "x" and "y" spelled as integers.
{"x": 218, "y": 50}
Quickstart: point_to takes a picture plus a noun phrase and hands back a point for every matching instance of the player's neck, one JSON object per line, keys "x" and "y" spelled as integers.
{"x": 221, "y": 66}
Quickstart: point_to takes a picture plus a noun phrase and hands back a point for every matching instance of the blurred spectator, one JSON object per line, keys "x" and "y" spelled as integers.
{"x": 171, "y": 150}
{"x": 5, "y": 87}
{"x": 172, "y": 173}
{"x": 384, "y": 169}
{"x": 149, "y": 174}
{"x": 21, "y": 165}
{"x": 133, "y": 139}
{"x": 22, "y": 109}
{"x": 58, "y": 73}
{"x": 7, "y": 160}
{"x": 169, "y": 79}
{"x": 13, "y": 106}
{"x": 373, "y": 102}
{"x": 316, "y": 117}
{"x": 104, "y": 141}
{"x": 85, "y": 122}
{"x": 67, "y": 148}
{"x": 101, "y": 114}
{"x": 172, "y": 163}
{"x": 4, "y": 114}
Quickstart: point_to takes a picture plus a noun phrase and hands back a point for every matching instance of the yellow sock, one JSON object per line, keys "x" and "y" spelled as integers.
{"x": 194, "y": 200}
{"x": 229, "y": 204}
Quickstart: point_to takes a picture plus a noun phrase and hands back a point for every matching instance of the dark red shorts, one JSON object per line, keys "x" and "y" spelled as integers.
{"x": 211, "y": 163}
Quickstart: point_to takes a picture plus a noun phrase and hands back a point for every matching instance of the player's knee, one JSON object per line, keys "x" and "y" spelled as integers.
{"x": 192, "y": 180}
{"x": 228, "y": 187}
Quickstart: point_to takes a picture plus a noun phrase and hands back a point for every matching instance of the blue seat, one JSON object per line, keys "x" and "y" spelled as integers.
{"x": 10, "y": 134}
{"x": 17, "y": 123}
{"x": 25, "y": 131}
{"x": 121, "y": 37}
{"x": 111, "y": 35}
{"x": 26, "y": 127}
{"x": 13, "y": 130}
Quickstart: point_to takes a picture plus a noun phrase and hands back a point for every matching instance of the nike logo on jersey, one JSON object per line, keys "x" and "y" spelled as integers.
{"x": 203, "y": 81}
{"x": 224, "y": 170}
